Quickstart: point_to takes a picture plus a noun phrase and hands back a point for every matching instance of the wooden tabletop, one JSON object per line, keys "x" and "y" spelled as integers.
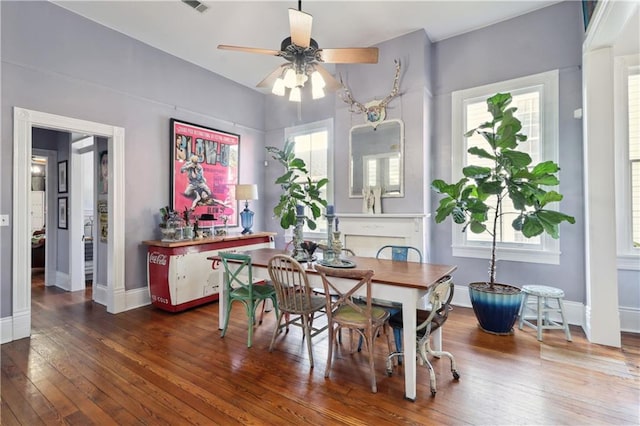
{"x": 404, "y": 274}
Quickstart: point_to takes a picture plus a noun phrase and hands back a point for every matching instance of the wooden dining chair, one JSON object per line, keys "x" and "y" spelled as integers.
{"x": 297, "y": 303}
{"x": 344, "y": 312}
{"x": 428, "y": 321}
{"x": 240, "y": 287}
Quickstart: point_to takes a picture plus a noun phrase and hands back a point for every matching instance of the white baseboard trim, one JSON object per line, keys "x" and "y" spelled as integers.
{"x": 6, "y": 329}
{"x": 19, "y": 326}
{"x": 630, "y": 319}
{"x": 137, "y": 298}
{"x": 62, "y": 281}
{"x": 100, "y": 294}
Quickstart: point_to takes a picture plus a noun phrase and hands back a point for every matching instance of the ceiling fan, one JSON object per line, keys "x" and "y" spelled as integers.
{"x": 303, "y": 55}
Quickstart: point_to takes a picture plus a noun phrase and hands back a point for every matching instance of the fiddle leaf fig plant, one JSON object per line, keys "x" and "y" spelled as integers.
{"x": 476, "y": 200}
{"x": 297, "y": 188}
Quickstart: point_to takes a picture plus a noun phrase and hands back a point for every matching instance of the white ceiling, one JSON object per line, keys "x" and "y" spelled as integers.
{"x": 176, "y": 28}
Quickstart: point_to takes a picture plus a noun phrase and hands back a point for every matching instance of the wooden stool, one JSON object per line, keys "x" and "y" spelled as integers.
{"x": 541, "y": 308}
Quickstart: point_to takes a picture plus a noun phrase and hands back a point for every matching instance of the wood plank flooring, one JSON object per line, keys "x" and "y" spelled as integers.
{"x": 83, "y": 366}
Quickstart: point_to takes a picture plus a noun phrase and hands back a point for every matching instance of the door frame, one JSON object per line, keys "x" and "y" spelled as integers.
{"x": 24, "y": 120}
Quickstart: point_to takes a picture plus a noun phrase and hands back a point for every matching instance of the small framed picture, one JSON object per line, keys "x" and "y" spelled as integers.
{"x": 63, "y": 213}
{"x": 62, "y": 176}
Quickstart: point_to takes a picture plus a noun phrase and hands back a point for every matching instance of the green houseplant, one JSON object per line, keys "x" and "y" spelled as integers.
{"x": 476, "y": 202}
{"x": 298, "y": 190}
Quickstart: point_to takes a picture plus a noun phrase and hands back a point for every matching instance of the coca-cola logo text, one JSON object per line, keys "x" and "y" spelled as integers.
{"x": 158, "y": 258}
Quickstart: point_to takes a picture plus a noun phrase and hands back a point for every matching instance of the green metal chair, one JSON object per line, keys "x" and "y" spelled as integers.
{"x": 239, "y": 286}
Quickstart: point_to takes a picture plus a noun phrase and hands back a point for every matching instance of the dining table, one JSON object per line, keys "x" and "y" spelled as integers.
{"x": 401, "y": 282}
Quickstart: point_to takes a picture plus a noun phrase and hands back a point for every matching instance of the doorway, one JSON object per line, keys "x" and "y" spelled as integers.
{"x": 48, "y": 161}
{"x": 112, "y": 293}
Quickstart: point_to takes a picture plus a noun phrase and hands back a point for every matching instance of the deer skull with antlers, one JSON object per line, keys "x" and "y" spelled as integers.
{"x": 374, "y": 111}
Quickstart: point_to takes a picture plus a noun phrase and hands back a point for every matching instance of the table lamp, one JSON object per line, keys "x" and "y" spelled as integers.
{"x": 246, "y": 192}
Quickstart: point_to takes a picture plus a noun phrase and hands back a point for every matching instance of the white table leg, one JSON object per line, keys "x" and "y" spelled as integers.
{"x": 409, "y": 344}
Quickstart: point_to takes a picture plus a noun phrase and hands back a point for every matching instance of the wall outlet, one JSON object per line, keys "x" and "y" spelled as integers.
{"x": 4, "y": 220}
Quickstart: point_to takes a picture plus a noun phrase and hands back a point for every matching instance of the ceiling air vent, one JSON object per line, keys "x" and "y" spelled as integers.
{"x": 196, "y": 5}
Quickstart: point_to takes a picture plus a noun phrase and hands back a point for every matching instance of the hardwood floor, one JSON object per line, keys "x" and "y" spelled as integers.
{"x": 84, "y": 366}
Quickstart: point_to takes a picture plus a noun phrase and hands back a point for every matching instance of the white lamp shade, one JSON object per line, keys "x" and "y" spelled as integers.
{"x": 247, "y": 192}
{"x": 295, "y": 95}
{"x": 317, "y": 80}
{"x": 290, "y": 78}
{"x": 317, "y": 92}
{"x": 278, "y": 87}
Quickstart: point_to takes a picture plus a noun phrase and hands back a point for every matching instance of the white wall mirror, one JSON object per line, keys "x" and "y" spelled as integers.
{"x": 376, "y": 158}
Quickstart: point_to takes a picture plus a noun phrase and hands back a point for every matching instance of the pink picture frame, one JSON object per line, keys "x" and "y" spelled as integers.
{"x": 204, "y": 170}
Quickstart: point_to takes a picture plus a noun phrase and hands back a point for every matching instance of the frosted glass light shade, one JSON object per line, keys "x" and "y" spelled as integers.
{"x": 290, "y": 78}
{"x": 278, "y": 87}
{"x": 317, "y": 80}
{"x": 295, "y": 95}
{"x": 317, "y": 92}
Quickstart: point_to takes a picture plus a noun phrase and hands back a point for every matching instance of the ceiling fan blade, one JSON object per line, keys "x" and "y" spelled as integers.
{"x": 271, "y": 78}
{"x": 331, "y": 83}
{"x": 300, "y": 24}
{"x": 250, "y": 49}
{"x": 349, "y": 55}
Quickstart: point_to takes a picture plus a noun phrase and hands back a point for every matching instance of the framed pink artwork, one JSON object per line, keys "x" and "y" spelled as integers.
{"x": 204, "y": 170}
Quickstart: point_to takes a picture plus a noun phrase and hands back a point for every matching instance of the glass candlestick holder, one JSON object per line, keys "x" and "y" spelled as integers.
{"x": 337, "y": 248}
{"x": 298, "y": 251}
{"x": 329, "y": 253}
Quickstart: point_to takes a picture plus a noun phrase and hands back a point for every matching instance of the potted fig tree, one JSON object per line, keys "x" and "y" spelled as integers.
{"x": 300, "y": 194}
{"x": 476, "y": 203}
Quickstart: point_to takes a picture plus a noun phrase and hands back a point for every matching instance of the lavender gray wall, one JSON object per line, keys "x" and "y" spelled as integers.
{"x": 548, "y": 39}
{"x": 58, "y": 62}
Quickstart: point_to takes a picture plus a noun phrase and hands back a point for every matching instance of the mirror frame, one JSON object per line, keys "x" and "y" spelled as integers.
{"x": 376, "y": 128}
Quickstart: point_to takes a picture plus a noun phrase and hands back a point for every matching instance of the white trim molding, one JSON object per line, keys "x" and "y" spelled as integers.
{"x": 24, "y": 121}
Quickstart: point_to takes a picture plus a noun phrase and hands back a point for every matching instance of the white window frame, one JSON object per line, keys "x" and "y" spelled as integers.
{"x": 628, "y": 256}
{"x": 316, "y": 126}
{"x": 548, "y": 251}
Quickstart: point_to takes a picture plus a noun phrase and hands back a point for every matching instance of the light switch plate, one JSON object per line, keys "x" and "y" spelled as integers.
{"x": 4, "y": 220}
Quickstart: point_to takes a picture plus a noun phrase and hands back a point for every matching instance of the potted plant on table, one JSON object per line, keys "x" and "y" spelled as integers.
{"x": 476, "y": 202}
{"x": 300, "y": 194}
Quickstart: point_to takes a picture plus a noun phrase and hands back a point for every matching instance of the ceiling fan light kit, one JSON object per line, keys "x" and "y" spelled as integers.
{"x": 303, "y": 54}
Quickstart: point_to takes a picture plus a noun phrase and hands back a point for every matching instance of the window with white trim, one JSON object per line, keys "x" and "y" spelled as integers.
{"x": 536, "y": 98}
{"x": 627, "y": 131}
{"x": 314, "y": 145}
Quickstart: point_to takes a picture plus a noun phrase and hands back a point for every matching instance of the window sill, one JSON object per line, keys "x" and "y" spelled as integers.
{"x": 629, "y": 262}
{"x": 510, "y": 254}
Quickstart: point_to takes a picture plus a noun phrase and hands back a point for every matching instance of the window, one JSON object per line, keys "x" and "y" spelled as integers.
{"x": 536, "y": 98}
{"x": 627, "y": 131}
{"x": 314, "y": 145}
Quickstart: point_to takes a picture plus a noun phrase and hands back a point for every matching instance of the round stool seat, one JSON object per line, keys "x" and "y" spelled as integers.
{"x": 542, "y": 291}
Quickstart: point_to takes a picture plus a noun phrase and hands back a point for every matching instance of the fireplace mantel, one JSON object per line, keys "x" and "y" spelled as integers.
{"x": 365, "y": 233}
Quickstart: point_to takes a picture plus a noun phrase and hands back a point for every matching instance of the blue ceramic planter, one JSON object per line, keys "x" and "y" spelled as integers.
{"x": 496, "y": 311}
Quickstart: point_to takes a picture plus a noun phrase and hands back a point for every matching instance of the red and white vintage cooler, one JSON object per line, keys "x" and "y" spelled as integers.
{"x": 180, "y": 276}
